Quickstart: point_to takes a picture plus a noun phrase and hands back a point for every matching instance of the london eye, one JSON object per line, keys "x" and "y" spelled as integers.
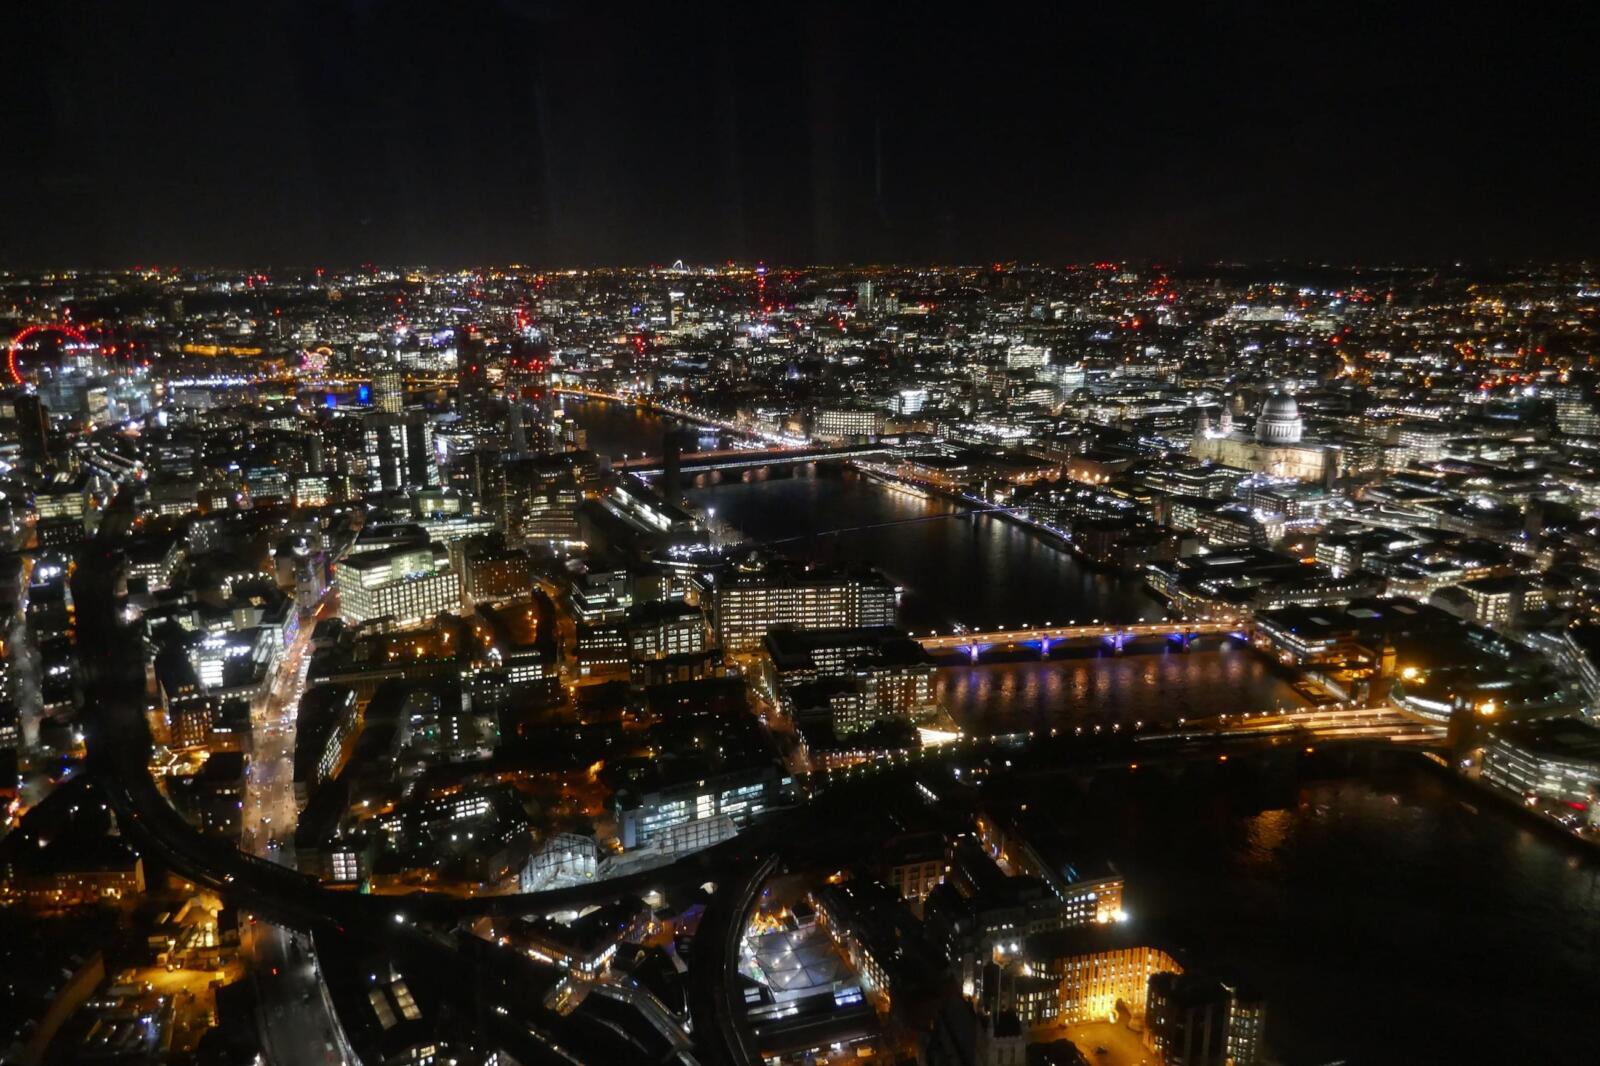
{"x": 45, "y": 346}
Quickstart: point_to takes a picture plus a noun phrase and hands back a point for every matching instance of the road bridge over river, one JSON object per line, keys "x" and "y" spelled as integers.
{"x": 1118, "y": 635}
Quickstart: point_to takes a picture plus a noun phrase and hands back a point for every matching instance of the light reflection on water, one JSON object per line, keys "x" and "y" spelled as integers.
{"x": 1382, "y": 893}
{"x": 1139, "y": 686}
{"x": 982, "y": 571}
{"x": 979, "y": 570}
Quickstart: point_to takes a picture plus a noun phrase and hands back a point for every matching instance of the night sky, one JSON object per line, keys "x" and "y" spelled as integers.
{"x": 449, "y": 133}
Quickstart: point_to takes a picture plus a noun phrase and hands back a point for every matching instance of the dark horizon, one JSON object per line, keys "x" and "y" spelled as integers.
{"x": 1461, "y": 269}
{"x": 541, "y": 133}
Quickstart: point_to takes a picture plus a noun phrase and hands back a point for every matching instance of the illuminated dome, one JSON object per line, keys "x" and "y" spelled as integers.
{"x": 1279, "y": 422}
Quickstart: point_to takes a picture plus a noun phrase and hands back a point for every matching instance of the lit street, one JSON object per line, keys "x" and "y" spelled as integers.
{"x": 296, "y": 1024}
{"x": 269, "y": 802}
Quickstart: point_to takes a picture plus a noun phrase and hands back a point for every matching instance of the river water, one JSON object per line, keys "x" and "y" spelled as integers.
{"x": 955, "y": 566}
{"x": 624, "y": 431}
{"x": 1388, "y": 918}
{"x": 990, "y": 573}
{"x": 1156, "y": 685}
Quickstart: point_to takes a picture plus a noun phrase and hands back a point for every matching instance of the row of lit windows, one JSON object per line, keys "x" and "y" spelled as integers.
{"x": 407, "y": 601}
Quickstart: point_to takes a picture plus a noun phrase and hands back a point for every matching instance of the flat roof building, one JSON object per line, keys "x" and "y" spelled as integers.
{"x": 1556, "y": 760}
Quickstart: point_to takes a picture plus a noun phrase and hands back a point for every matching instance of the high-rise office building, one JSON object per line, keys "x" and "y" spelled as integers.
{"x": 475, "y": 396}
{"x": 25, "y": 425}
{"x": 540, "y": 498}
{"x": 865, "y": 298}
{"x": 399, "y": 452}
{"x": 388, "y": 390}
{"x": 1574, "y": 412}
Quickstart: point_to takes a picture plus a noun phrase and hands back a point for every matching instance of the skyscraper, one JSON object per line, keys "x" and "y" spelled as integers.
{"x": 474, "y": 395}
{"x": 388, "y": 390}
{"x": 399, "y": 452}
{"x": 28, "y": 425}
{"x": 865, "y": 294}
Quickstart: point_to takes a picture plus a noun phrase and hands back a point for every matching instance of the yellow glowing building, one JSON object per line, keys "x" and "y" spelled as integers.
{"x": 1100, "y": 968}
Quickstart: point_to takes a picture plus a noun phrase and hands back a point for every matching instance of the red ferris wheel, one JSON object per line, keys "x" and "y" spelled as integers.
{"x": 19, "y": 344}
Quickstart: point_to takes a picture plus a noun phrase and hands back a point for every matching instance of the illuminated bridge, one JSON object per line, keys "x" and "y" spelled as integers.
{"x": 1336, "y": 721}
{"x": 1043, "y": 637}
{"x": 691, "y": 414}
{"x": 1299, "y": 729}
{"x": 748, "y": 458}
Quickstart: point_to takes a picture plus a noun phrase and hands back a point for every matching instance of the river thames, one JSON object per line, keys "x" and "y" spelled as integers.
{"x": 1387, "y": 917}
{"x": 987, "y": 573}
{"x": 953, "y": 566}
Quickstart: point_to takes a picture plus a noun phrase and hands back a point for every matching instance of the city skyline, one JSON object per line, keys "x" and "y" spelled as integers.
{"x": 720, "y": 664}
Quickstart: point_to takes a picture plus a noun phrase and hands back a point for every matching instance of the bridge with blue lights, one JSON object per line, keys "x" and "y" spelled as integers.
{"x": 1116, "y": 636}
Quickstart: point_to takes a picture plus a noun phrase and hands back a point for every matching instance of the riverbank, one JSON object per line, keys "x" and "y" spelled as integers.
{"x": 953, "y": 569}
{"x": 1478, "y": 787}
{"x": 1056, "y": 538}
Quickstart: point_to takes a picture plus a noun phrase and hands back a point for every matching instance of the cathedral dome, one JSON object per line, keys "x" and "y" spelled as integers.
{"x": 1280, "y": 405}
{"x": 1279, "y": 421}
